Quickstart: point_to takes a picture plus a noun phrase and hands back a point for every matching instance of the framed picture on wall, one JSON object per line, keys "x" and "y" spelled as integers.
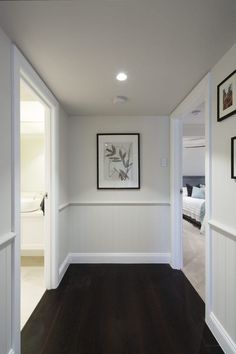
{"x": 118, "y": 161}
{"x": 233, "y": 157}
{"x": 226, "y": 97}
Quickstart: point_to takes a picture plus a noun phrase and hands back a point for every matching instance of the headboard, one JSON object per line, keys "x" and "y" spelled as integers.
{"x": 193, "y": 180}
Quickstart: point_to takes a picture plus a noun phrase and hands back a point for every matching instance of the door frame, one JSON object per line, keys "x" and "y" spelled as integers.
{"x": 22, "y": 69}
{"x": 201, "y": 93}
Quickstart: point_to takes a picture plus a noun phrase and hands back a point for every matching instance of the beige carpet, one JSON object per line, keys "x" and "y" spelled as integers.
{"x": 32, "y": 285}
{"x": 194, "y": 257}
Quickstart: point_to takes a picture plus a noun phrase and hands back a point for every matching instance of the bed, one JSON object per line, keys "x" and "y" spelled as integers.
{"x": 193, "y": 208}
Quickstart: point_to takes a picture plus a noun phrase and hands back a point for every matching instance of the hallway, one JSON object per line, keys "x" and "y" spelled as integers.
{"x": 120, "y": 309}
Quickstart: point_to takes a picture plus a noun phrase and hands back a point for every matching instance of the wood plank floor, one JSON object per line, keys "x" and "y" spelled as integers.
{"x": 120, "y": 309}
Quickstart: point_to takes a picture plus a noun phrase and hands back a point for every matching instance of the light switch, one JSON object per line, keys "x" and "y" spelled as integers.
{"x": 164, "y": 162}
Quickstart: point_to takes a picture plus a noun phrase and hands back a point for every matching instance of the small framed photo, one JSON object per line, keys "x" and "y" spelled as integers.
{"x": 118, "y": 161}
{"x": 233, "y": 157}
{"x": 226, "y": 97}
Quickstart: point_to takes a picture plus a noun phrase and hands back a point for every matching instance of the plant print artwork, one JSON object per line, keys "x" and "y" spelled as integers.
{"x": 118, "y": 161}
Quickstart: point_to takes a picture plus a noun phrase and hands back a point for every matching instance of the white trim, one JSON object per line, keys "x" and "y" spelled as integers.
{"x": 63, "y": 267}
{"x": 73, "y": 204}
{"x": 225, "y": 341}
{"x": 222, "y": 228}
{"x": 7, "y": 238}
{"x": 176, "y": 132}
{"x": 159, "y": 258}
{"x": 63, "y": 206}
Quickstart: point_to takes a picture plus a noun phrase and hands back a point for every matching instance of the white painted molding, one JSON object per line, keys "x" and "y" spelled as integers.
{"x": 73, "y": 204}
{"x": 120, "y": 204}
{"x": 63, "y": 206}
{"x": 63, "y": 268}
{"x": 223, "y": 229}
{"x": 224, "y": 339}
{"x": 6, "y": 238}
{"x": 159, "y": 258}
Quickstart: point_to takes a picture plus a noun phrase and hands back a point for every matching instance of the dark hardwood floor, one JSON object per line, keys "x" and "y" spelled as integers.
{"x": 120, "y": 309}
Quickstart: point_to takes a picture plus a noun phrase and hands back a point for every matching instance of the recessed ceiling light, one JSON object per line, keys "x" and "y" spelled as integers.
{"x": 120, "y": 99}
{"x": 121, "y": 76}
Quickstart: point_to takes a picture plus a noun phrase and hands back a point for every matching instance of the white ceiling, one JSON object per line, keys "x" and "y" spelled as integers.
{"x": 166, "y": 46}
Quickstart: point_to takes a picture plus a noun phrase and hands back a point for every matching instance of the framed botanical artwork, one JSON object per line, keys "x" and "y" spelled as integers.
{"x": 226, "y": 97}
{"x": 118, "y": 161}
{"x": 233, "y": 157}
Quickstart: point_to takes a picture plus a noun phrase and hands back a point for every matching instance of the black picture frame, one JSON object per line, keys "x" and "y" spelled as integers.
{"x": 225, "y": 108}
{"x": 123, "y": 150}
{"x": 233, "y": 157}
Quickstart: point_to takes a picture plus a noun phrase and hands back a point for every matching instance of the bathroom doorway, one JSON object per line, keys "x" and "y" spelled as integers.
{"x": 24, "y": 72}
{"x": 33, "y": 199}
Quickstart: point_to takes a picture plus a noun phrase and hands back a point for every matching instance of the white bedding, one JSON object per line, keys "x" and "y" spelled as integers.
{"x": 192, "y": 207}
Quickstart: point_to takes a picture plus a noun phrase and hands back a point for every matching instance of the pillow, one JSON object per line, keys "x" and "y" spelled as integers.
{"x": 185, "y": 192}
{"x": 189, "y": 189}
{"x": 198, "y": 193}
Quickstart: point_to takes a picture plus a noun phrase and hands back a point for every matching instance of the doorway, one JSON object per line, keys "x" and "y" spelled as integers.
{"x": 24, "y": 72}
{"x": 193, "y": 198}
{"x": 199, "y": 95}
{"x": 33, "y": 195}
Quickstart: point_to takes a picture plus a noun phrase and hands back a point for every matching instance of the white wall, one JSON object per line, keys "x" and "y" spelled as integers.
{"x": 193, "y": 129}
{"x": 223, "y": 217}
{"x": 107, "y": 221}
{"x": 5, "y": 192}
{"x": 194, "y": 161}
{"x": 32, "y": 163}
{"x": 154, "y": 144}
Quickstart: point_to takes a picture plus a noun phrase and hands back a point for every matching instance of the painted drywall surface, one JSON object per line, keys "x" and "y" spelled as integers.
{"x": 63, "y": 158}
{"x": 194, "y": 161}
{"x": 154, "y": 145}
{"x": 63, "y": 185}
{"x": 193, "y": 130}
{"x": 223, "y": 206}
{"x": 32, "y": 163}
{"x": 5, "y": 192}
{"x": 100, "y": 228}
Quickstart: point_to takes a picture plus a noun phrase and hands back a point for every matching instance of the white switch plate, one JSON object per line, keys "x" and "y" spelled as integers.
{"x": 164, "y": 162}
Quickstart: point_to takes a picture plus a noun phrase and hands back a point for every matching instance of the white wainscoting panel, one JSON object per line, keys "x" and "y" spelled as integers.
{"x": 63, "y": 233}
{"x": 223, "y": 312}
{"x": 120, "y": 229}
{"x": 5, "y": 298}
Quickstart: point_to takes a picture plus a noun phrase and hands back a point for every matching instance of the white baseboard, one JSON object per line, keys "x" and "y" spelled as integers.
{"x": 63, "y": 268}
{"x": 161, "y": 258}
{"x": 225, "y": 341}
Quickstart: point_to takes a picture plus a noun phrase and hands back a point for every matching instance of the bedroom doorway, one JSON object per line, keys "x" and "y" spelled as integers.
{"x": 200, "y": 95}
{"x": 193, "y": 198}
